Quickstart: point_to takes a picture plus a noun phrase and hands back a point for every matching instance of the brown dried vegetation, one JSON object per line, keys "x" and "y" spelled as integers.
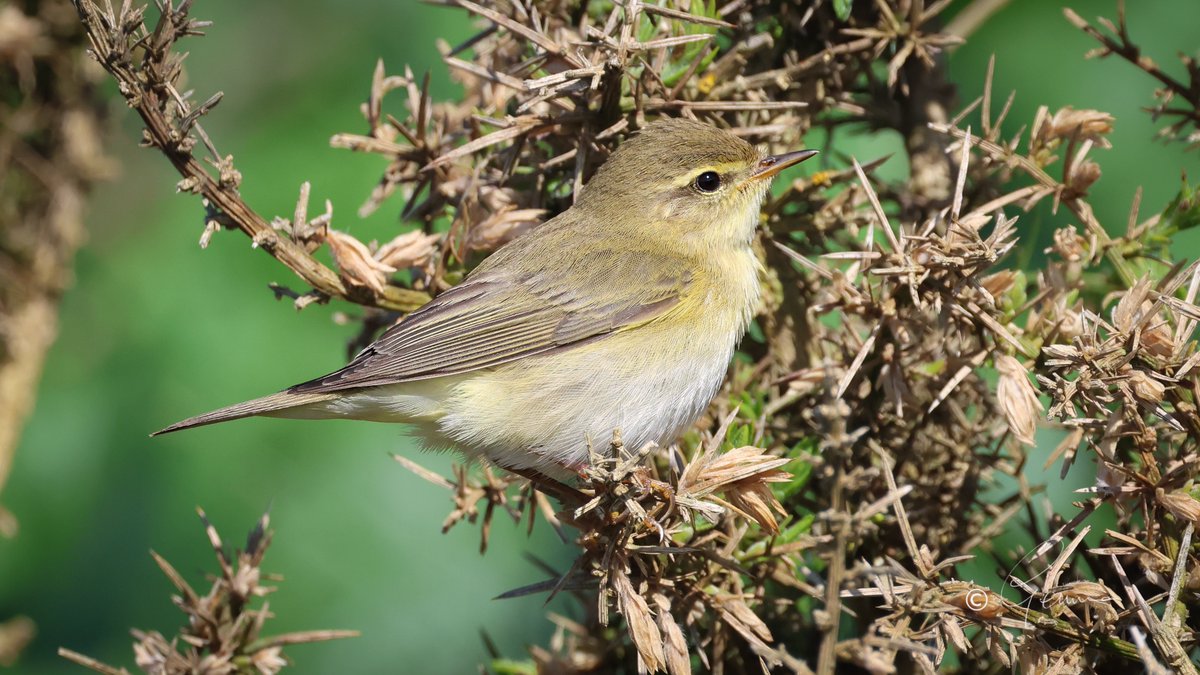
{"x": 875, "y": 439}
{"x": 224, "y": 629}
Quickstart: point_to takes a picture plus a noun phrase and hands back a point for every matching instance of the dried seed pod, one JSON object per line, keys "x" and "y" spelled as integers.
{"x": 1018, "y": 398}
{"x": 999, "y": 283}
{"x": 1083, "y": 175}
{"x": 979, "y": 603}
{"x": 640, "y": 621}
{"x": 1069, "y": 245}
{"x": 411, "y": 249}
{"x": 1181, "y": 504}
{"x": 357, "y": 265}
{"x": 1077, "y": 125}
{"x": 1145, "y": 387}
{"x": 674, "y": 644}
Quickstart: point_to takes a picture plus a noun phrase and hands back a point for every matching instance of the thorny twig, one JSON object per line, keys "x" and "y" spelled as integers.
{"x": 146, "y": 69}
{"x": 223, "y": 631}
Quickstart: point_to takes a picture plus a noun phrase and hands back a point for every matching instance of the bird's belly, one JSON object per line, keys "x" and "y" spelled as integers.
{"x": 544, "y": 411}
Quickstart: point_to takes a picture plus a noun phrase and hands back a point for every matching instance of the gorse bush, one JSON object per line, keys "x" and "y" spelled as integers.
{"x": 874, "y": 430}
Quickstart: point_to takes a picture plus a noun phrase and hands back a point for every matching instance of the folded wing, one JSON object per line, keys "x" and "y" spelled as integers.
{"x": 494, "y": 318}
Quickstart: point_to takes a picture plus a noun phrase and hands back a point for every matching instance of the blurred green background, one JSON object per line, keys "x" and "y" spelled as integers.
{"x": 156, "y": 329}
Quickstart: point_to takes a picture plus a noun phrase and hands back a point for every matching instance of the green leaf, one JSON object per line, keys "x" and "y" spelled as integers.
{"x": 800, "y": 468}
{"x": 751, "y": 404}
{"x": 755, "y": 332}
{"x": 510, "y": 667}
{"x": 801, "y": 471}
{"x": 680, "y": 59}
{"x": 1018, "y": 294}
{"x": 1014, "y": 298}
{"x": 705, "y": 9}
{"x": 739, "y": 435}
{"x": 802, "y": 526}
{"x": 842, "y": 8}
{"x": 805, "y": 605}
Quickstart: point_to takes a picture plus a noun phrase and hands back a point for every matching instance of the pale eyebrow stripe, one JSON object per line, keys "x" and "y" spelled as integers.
{"x": 723, "y": 169}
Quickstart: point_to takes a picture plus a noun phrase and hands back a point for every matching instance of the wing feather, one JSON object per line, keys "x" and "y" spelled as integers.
{"x": 494, "y": 318}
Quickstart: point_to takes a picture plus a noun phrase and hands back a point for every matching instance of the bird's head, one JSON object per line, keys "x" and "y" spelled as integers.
{"x": 689, "y": 179}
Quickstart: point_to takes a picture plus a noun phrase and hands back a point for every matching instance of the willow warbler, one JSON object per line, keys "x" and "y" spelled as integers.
{"x": 623, "y": 312}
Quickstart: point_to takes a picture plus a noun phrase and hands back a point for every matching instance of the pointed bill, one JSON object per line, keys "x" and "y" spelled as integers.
{"x": 772, "y": 164}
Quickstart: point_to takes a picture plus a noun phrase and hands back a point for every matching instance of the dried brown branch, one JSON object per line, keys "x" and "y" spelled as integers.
{"x": 146, "y": 68}
{"x": 1177, "y": 100}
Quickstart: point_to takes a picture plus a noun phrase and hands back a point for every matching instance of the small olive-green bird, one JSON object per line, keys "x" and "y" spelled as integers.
{"x": 623, "y": 312}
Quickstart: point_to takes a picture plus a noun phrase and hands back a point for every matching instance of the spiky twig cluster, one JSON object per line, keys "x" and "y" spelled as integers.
{"x": 646, "y": 548}
{"x": 147, "y": 68}
{"x": 1177, "y": 100}
{"x": 224, "y": 629}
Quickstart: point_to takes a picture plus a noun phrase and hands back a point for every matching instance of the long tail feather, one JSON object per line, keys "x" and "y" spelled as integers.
{"x": 274, "y": 404}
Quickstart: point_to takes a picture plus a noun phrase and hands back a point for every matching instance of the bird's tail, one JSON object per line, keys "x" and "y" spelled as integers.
{"x": 283, "y": 404}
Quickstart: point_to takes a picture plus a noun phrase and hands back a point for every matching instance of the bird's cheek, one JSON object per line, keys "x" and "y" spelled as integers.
{"x": 667, "y": 210}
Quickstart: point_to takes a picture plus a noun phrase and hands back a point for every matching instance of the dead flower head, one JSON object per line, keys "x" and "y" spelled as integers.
{"x": 1018, "y": 398}
{"x": 643, "y": 629}
{"x": 411, "y": 249}
{"x": 1136, "y": 312}
{"x": 742, "y": 475}
{"x": 1083, "y": 175}
{"x": 1180, "y": 504}
{"x": 1146, "y": 388}
{"x": 1078, "y": 126}
{"x": 502, "y": 226}
{"x": 1069, "y": 244}
{"x": 999, "y": 284}
{"x": 358, "y": 266}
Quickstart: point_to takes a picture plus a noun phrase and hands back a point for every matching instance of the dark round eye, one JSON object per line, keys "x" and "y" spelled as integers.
{"x": 708, "y": 181}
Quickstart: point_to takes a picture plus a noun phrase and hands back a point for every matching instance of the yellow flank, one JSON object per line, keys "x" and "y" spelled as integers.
{"x": 621, "y": 313}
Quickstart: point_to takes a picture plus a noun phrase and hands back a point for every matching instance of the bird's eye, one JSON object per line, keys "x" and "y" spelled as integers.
{"x": 708, "y": 181}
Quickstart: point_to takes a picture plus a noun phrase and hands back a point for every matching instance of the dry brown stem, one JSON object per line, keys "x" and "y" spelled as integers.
{"x": 146, "y": 68}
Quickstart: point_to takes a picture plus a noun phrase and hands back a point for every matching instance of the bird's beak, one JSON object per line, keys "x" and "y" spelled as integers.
{"x": 772, "y": 164}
